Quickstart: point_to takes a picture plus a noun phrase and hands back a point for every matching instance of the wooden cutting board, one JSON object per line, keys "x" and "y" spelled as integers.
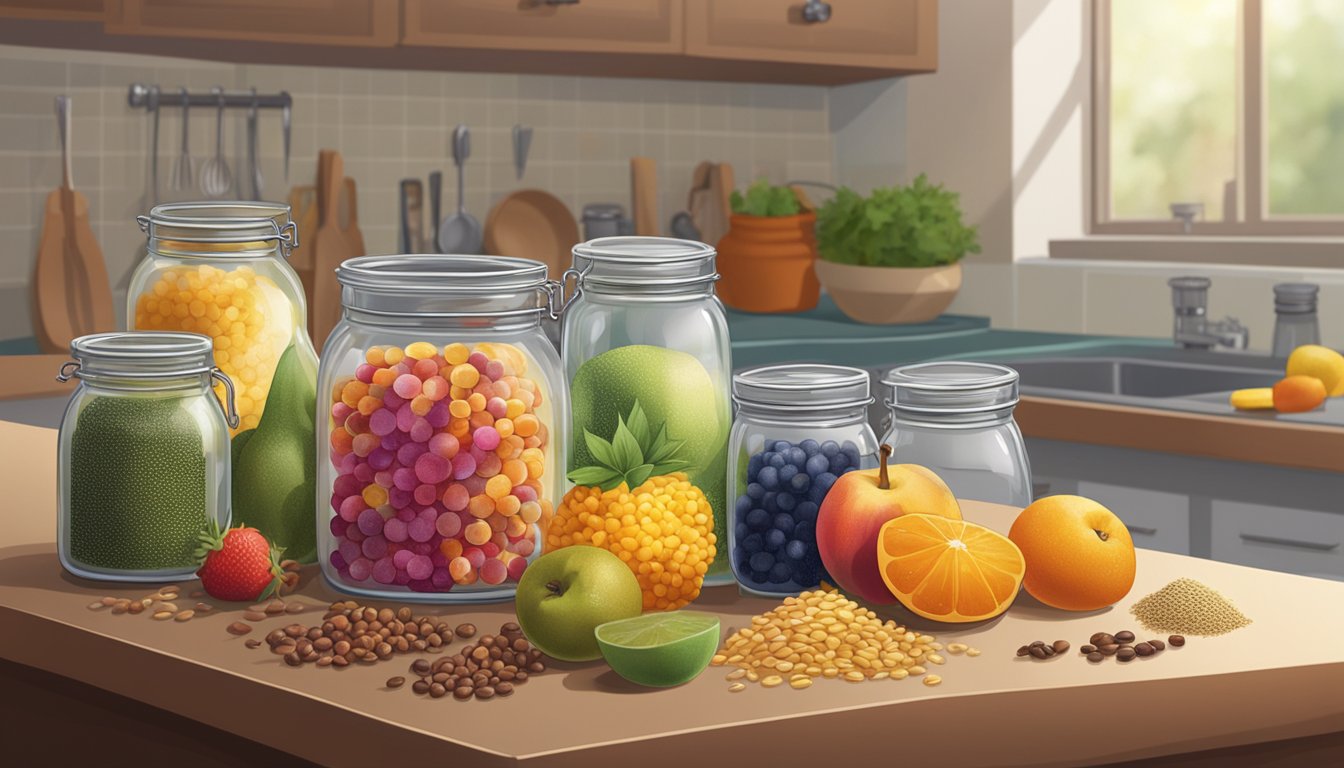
{"x": 71, "y": 295}
{"x": 337, "y": 238}
{"x": 303, "y": 211}
{"x": 644, "y": 195}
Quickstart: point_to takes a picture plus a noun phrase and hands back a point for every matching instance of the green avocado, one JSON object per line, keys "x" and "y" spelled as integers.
{"x": 275, "y": 465}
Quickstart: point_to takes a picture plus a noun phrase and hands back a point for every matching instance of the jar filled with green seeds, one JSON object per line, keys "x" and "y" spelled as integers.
{"x": 143, "y": 455}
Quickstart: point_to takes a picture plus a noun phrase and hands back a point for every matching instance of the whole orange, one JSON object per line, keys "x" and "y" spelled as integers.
{"x": 1079, "y": 555}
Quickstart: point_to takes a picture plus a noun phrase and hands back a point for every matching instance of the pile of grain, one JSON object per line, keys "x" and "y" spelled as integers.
{"x": 1187, "y": 607}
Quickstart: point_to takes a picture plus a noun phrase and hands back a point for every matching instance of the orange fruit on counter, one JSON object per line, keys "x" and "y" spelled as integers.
{"x": 1079, "y": 555}
{"x": 1295, "y": 394}
{"x": 949, "y": 570}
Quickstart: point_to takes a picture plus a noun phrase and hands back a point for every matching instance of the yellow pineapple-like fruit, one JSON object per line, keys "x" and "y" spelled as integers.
{"x": 663, "y": 529}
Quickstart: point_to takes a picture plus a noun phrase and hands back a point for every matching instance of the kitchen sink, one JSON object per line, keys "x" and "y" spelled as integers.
{"x": 1133, "y": 377}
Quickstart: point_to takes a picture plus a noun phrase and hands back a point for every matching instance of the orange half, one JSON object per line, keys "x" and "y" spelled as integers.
{"x": 949, "y": 570}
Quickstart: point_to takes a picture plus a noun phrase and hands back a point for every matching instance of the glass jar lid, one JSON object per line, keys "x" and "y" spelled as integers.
{"x": 952, "y": 387}
{"x": 805, "y": 385}
{"x": 1295, "y": 298}
{"x": 644, "y": 263}
{"x": 219, "y": 228}
{"x": 436, "y": 285}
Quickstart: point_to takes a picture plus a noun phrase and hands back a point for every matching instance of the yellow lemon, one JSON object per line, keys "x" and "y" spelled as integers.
{"x": 1321, "y": 362}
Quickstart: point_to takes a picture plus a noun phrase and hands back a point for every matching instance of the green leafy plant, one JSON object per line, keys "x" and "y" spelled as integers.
{"x": 763, "y": 199}
{"x": 635, "y": 453}
{"x": 918, "y": 225}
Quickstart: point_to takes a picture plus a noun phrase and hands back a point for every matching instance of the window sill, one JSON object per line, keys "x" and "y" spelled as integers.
{"x": 1274, "y": 252}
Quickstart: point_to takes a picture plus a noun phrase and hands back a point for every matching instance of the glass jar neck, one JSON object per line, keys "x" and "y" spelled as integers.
{"x": 185, "y": 385}
{"x": 801, "y": 415}
{"x": 952, "y": 419}
{"x": 509, "y": 321}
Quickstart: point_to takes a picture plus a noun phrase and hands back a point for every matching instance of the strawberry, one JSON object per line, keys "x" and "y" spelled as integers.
{"x": 238, "y": 564}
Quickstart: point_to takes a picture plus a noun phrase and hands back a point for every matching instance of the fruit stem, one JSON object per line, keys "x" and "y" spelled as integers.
{"x": 883, "y": 481}
{"x": 555, "y": 588}
{"x": 1101, "y": 535}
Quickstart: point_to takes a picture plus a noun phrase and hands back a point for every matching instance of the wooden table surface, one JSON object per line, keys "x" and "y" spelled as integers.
{"x": 1280, "y": 678}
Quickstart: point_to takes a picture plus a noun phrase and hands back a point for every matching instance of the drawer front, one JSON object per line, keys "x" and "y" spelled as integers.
{"x": 1156, "y": 520}
{"x": 82, "y": 10}
{"x": 326, "y": 22}
{"x": 896, "y": 34}
{"x": 596, "y": 26}
{"x": 1279, "y": 538}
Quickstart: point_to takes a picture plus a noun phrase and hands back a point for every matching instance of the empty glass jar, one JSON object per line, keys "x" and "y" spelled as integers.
{"x": 957, "y": 419}
{"x": 143, "y": 455}
{"x": 798, "y": 428}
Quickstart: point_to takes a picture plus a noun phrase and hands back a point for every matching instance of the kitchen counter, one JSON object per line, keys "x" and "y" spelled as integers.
{"x": 1278, "y": 679}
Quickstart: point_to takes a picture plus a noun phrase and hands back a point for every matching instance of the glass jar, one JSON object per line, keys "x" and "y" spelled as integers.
{"x": 143, "y": 457}
{"x": 443, "y": 405}
{"x": 798, "y": 428}
{"x": 957, "y": 419}
{"x": 219, "y": 269}
{"x": 646, "y": 328}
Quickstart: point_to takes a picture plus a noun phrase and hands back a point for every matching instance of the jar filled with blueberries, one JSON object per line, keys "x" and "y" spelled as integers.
{"x": 797, "y": 429}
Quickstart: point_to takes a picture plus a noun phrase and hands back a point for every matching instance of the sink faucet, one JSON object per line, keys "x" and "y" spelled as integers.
{"x": 1193, "y": 329}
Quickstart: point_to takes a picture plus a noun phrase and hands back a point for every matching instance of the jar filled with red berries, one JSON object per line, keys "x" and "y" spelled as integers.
{"x": 445, "y": 414}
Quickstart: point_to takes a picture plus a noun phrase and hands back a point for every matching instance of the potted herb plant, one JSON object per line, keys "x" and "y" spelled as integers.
{"x": 891, "y": 257}
{"x": 765, "y": 260}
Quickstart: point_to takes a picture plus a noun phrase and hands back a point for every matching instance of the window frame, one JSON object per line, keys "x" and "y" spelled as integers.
{"x": 1252, "y": 195}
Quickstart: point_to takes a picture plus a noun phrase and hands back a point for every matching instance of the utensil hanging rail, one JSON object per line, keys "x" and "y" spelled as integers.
{"x": 138, "y": 96}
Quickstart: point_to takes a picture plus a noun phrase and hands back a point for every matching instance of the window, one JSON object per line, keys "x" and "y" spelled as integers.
{"x": 1230, "y": 112}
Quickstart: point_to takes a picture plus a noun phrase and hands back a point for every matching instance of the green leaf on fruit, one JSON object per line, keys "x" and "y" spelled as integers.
{"x": 638, "y": 424}
{"x": 638, "y": 475}
{"x": 600, "y": 448}
{"x": 599, "y": 476}
{"x": 625, "y": 449}
{"x": 632, "y": 456}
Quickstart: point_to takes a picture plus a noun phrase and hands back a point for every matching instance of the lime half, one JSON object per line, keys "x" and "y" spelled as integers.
{"x": 660, "y": 649}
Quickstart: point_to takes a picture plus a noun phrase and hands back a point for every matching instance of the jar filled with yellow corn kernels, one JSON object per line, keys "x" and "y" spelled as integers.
{"x": 219, "y": 269}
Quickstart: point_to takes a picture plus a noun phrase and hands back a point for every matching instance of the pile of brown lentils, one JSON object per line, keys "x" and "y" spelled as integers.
{"x": 490, "y": 667}
{"x": 351, "y": 633}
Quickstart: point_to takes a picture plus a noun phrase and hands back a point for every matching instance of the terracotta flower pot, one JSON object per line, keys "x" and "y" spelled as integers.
{"x": 890, "y": 295}
{"x": 765, "y": 263}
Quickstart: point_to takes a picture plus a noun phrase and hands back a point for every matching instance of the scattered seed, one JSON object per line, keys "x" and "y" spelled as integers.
{"x": 932, "y": 680}
{"x": 252, "y": 643}
{"x": 97, "y": 605}
{"x": 204, "y": 607}
{"x": 735, "y": 687}
{"x": 936, "y": 658}
{"x": 136, "y": 607}
{"x": 800, "y": 683}
{"x": 465, "y": 631}
{"x": 184, "y": 615}
{"x": 162, "y": 615}
{"x": 109, "y": 601}
{"x": 957, "y": 647}
{"x": 293, "y": 607}
{"x": 196, "y": 593}
{"x": 275, "y": 606}
{"x": 972, "y": 652}
{"x": 251, "y": 615}
{"x": 396, "y": 682}
{"x": 1095, "y": 657}
{"x": 853, "y": 676}
{"x": 917, "y": 670}
{"x": 166, "y": 606}
{"x": 1124, "y": 637}
{"x": 770, "y": 681}
{"x": 736, "y": 674}
{"x": 236, "y": 628}
{"x": 1176, "y": 641}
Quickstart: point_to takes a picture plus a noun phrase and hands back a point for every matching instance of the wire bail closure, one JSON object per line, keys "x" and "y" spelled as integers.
{"x": 69, "y": 370}
{"x": 556, "y": 299}
{"x": 230, "y": 407}
{"x": 287, "y": 236}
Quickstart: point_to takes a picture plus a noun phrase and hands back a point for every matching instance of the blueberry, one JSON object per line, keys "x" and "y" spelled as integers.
{"x": 800, "y": 482}
{"x": 775, "y": 540}
{"x": 743, "y": 504}
{"x": 818, "y": 464}
{"x": 741, "y": 530}
{"x": 839, "y": 463}
{"x": 830, "y": 448}
{"x": 783, "y": 522}
{"x": 754, "y": 464}
{"x": 798, "y": 457}
{"x": 806, "y": 510}
{"x": 795, "y": 550}
{"x": 816, "y": 494}
{"x": 781, "y": 445}
{"x": 824, "y": 481}
{"x": 805, "y": 531}
{"x": 768, "y": 478}
{"x": 762, "y": 562}
{"x": 775, "y": 460}
{"x": 785, "y": 502}
{"x": 807, "y": 574}
{"x": 758, "y": 519}
{"x": 770, "y": 502}
{"x": 810, "y": 447}
{"x": 780, "y": 573}
{"x": 786, "y": 473}
{"x": 753, "y": 543}
{"x": 759, "y": 577}
{"x": 755, "y": 490}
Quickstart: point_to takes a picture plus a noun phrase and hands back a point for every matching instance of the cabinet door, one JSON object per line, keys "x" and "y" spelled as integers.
{"x": 886, "y": 34}
{"x": 73, "y": 10}
{"x": 325, "y": 22}
{"x": 598, "y": 26}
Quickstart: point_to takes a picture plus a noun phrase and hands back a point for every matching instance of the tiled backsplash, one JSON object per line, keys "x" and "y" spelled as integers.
{"x": 388, "y": 125}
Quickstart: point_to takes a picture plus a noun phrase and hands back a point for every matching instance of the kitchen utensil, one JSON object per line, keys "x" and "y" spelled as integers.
{"x": 215, "y": 177}
{"x": 253, "y": 155}
{"x": 605, "y": 220}
{"x": 303, "y": 211}
{"x": 182, "y": 169}
{"x": 333, "y": 242}
{"x": 534, "y": 224}
{"x": 71, "y": 292}
{"x": 644, "y": 195}
{"x": 30, "y": 376}
{"x": 681, "y": 226}
{"x": 522, "y": 142}
{"x": 153, "y": 102}
{"x": 412, "y": 216}
{"x": 461, "y": 233}
{"x": 286, "y": 117}
{"x": 435, "y": 197}
{"x": 698, "y": 197}
{"x": 715, "y": 209}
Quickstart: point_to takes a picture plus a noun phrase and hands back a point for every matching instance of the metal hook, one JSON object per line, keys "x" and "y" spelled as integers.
{"x": 69, "y": 370}
{"x": 557, "y": 301}
{"x": 231, "y": 411}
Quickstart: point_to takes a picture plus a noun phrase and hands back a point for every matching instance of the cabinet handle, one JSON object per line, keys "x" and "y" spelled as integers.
{"x": 562, "y": 2}
{"x": 1141, "y": 529}
{"x": 1316, "y": 546}
{"x": 816, "y": 12}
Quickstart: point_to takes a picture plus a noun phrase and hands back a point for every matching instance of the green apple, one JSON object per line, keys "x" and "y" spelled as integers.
{"x": 566, "y": 594}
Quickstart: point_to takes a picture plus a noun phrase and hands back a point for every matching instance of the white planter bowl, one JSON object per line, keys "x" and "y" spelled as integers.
{"x": 890, "y": 295}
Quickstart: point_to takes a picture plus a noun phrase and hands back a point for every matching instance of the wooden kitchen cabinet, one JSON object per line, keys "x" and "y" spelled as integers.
{"x": 54, "y": 10}
{"x": 877, "y": 34}
{"x": 366, "y": 23}
{"x": 590, "y": 26}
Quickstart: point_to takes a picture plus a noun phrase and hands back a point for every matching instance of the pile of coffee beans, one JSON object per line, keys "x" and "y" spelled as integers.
{"x": 1123, "y": 647}
{"x": 490, "y": 667}
{"x": 352, "y": 633}
{"x": 1041, "y": 650}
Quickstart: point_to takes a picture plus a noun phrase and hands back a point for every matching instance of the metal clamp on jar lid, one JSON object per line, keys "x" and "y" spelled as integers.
{"x": 803, "y": 386}
{"x": 238, "y": 228}
{"x": 448, "y": 286}
{"x": 953, "y": 391}
{"x": 146, "y": 359}
{"x": 643, "y": 265}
